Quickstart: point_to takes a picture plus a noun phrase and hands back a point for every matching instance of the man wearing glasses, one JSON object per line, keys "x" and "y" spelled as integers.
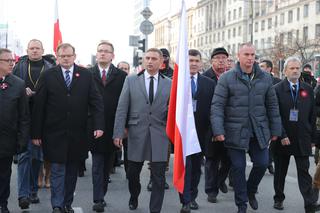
{"x": 64, "y": 95}
{"x": 14, "y": 123}
{"x": 29, "y": 69}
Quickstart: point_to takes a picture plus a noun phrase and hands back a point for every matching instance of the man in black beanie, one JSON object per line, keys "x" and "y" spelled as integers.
{"x": 165, "y": 69}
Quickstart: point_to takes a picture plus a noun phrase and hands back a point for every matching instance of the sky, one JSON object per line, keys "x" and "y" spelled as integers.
{"x": 82, "y": 23}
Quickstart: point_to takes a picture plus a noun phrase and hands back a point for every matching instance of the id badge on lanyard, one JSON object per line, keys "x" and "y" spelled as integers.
{"x": 294, "y": 113}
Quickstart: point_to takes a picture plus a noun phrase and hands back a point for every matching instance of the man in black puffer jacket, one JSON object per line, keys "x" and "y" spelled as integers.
{"x": 245, "y": 115}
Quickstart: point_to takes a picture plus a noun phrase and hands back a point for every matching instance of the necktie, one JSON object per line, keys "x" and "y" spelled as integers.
{"x": 294, "y": 88}
{"x": 151, "y": 89}
{"x": 104, "y": 77}
{"x": 193, "y": 87}
{"x": 67, "y": 78}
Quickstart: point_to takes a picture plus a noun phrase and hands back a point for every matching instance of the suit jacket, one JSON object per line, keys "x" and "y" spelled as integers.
{"x": 110, "y": 94}
{"x": 303, "y": 132}
{"x": 60, "y": 115}
{"x": 14, "y": 117}
{"x": 203, "y": 96}
{"x": 147, "y": 138}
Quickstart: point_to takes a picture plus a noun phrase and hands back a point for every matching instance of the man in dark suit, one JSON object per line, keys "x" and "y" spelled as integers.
{"x": 217, "y": 164}
{"x": 14, "y": 123}
{"x": 109, "y": 81}
{"x": 202, "y": 92}
{"x": 297, "y": 110}
{"x": 143, "y": 106}
{"x": 267, "y": 66}
{"x": 64, "y": 95}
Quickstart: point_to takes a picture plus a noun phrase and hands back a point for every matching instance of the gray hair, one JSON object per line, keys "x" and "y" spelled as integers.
{"x": 291, "y": 59}
{"x": 4, "y": 50}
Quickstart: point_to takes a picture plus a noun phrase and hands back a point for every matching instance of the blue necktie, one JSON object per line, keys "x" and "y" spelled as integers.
{"x": 193, "y": 87}
{"x": 67, "y": 78}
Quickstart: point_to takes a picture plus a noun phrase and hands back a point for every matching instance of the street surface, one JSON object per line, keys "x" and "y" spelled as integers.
{"x": 118, "y": 195}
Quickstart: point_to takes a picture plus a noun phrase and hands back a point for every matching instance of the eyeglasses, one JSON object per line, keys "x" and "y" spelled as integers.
{"x": 65, "y": 56}
{"x": 9, "y": 61}
{"x": 104, "y": 51}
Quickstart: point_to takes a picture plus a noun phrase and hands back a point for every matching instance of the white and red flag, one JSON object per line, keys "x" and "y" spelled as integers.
{"x": 181, "y": 128}
{"x": 57, "y": 37}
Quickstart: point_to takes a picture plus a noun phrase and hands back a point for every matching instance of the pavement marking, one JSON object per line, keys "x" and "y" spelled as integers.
{"x": 77, "y": 209}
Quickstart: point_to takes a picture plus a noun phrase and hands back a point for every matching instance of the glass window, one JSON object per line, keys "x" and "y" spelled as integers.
{"x": 290, "y": 16}
{"x": 306, "y": 10}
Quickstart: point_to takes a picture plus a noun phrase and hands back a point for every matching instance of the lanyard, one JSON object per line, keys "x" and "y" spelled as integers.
{"x": 294, "y": 95}
{"x": 30, "y": 77}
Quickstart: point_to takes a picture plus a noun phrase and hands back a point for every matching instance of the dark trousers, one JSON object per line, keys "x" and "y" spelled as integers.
{"x": 125, "y": 154}
{"x": 158, "y": 170}
{"x": 281, "y": 163}
{"x": 216, "y": 171}
{"x": 101, "y": 165}
{"x": 271, "y": 153}
{"x": 259, "y": 158}
{"x": 191, "y": 178}
{"x": 63, "y": 182}
{"x": 5, "y": 175}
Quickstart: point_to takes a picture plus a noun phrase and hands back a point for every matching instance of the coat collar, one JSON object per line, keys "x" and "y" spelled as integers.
{"x": 112, "y": 73}
{"x": 75, "y": 76}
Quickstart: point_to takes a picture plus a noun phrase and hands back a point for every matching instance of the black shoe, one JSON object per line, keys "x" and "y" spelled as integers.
{"x": 166, "y": 185}
{"x": 312, "y": 208}
{"x": 212, "y": 198}
{"x": 242, "y": 209}
{"x": 278, "y": 205}
{"x": 68, "y": 209}
{"x": 253, "y": 201}
{"x": 15, "y": 159}
{"x": 4, "y": 209}
{"x": 194, "y": 205}
{"x": 149, "y": 186}
{"x": 24, "y": 202}
{"x": 223, "y": 188}
{"x": 34, "y": 198}
{"x": 57, "y": 210}
{"x": 133, "y": 203}
{"x": 271, "y": 169}
{"x": 98, "y": 207}
{"x": 185, "y": 208}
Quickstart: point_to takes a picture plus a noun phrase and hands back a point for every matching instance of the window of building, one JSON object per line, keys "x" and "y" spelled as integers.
{"x": 281, "y": 38}
{"x": 305, "y": 33}
{"x": 269, "y": 23}
{"x": 229, "y": 16}
{"x": 317, "y": 6}
{"x": 281, "y": 18}
{"x": 240, "y": 11}
{"x": 317, "y": 31}
{"x": 206, "y": 40}
{"x": 234, "y": 32}
{"x": 222, "y": 36}
{"x": 306, "y": 10}
{"x": 263, "y": 23}
{"x": 201, "y": 41}
{"x": 269, "y": 42}
{"x": 234, "y": 14}
{"x": 262, "y": 44}
{"x": 256, "y": 26}
{"x": 297, "y": 35}
{"x": 298, "y": 13}
{"x": 233, "y": 48}
{"x": 214, "y": 37}
{"x": 229, "y": 33}
{"x": 256, "y": 44}
{"x": 276, "y": 21}
{"x": 289, "y": 39}
{"x": 239, "y": 31}
{"x": 219, "y": 37}
{"x": 250, "y": 28}
{"x": 290, "y": 16}
{"x": 263, "y": 12}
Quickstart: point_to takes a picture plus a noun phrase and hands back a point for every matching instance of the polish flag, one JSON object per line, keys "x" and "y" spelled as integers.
{"x": 57, "y": 38}
{"x": 181, "y": 128}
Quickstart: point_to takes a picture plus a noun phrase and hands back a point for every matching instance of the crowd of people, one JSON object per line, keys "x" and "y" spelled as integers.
{"x": 53, "y": 111}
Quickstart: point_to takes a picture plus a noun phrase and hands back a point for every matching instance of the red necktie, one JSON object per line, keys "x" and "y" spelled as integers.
{"x": 104, "y": 77}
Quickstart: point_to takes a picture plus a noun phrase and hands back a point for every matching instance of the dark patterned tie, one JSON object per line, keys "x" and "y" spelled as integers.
{"x": 67, "y": 78}
{"x": 193, "y": 87}
{"x": 151, "y": 89}
{"x": 104, "y": 77}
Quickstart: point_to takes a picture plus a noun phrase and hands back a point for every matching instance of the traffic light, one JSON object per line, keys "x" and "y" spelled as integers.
{"x": 143, "y": 46}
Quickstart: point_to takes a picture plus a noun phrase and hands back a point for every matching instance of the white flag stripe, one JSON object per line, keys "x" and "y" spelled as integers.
{"x": 184, "y": 111}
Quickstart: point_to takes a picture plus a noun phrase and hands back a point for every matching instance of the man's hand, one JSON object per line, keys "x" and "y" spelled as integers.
{"x": 274, "y": 138}
{"x": 219, "y": 138}
{"x": 97, "y": 133}
{"x": 125, "y": 133}
{"x": 36, "y": 142}
{"x": 117, "y": 142}
{"x": 29, "y": 92}
{"x": 285, "y": 142}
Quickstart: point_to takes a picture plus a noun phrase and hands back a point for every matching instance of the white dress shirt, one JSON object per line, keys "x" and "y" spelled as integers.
{"x": 147, "y": 82}
{"x": 70, "y": 73}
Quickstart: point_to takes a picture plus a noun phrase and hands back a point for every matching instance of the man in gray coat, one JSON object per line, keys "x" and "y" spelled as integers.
{"x": 143, "y": 107}
{"x": 245, "y": 115}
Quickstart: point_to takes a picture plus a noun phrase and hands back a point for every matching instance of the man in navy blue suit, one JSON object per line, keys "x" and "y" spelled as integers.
{"x": 202, "y": 92}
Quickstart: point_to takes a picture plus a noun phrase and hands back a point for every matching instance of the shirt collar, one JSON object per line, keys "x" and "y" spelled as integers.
{"x": 291, "y": 84}
{"x": 195, "y": 77}
{"x": 101, "y": 69}
{"x": 147, "y": 75}
{"x": 70, "y": 69}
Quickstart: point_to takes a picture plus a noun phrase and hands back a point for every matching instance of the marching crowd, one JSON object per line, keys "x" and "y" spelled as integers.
{"x": 53, "y": 111}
